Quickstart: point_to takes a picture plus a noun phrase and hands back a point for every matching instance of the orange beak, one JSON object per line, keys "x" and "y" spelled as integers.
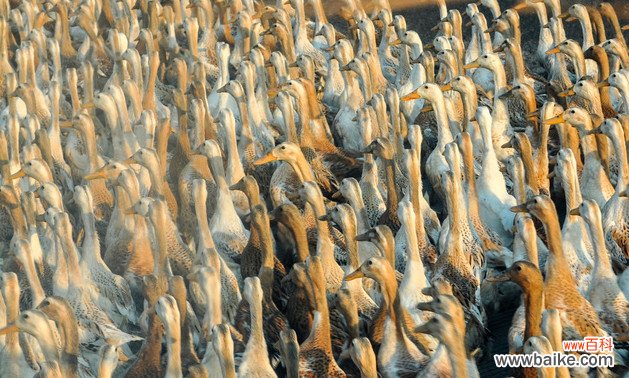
{"x": 555, "y": 120}
{"x": 552, "y": 51}
{"x": 266, "y": 159}
{"x": 411, "y": 96}
{"x": 354, "y": 275}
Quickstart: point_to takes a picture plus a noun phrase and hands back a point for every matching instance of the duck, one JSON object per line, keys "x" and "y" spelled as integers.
{"x": 397, "y": 353}
{"x": 560, "y": 285}
{"x": 605, "y": 295}
{"x": 612, "y": 223}
{"x": 255, "y": 359}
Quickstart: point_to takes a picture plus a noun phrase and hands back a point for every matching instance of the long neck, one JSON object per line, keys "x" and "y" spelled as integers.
{"x": 392, "y": 195}
{"x": 91, "y": 245}
{"x": 256, "y": 337}
{"x": 444, "y": 134}
{"x": 173, "y": 367}
{"x": 298, "y": 231}
{"x": 621, "y": 156}
{"x": 572, "y": 191}
{"x": 90, "y": 147}
{"x": 553, "y": 237}
{"x": 235, "y": 170}
{"x": 533, "y": 305}
{"x": 586, "y": 29}
{"x": 302, "y": 168}
{"x": 72, "y": 260}
{"x": 349, "y": 231}
{"x": 602, "y": 263}
{"x": 37, "y": 291}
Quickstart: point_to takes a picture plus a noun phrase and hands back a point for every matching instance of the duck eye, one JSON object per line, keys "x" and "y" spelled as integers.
{"x": 572, "y": 112}
{"x": 580, "y": 84}
{"x": 425, "y": 87}
{"x": 369, "y": 262}
{"x": 485, "y": 56}
{"x": 518, "y": 268}
{"x": 283, "y": 147}
{"x": 458, "y": 79}
{"x": 25, "y": 316}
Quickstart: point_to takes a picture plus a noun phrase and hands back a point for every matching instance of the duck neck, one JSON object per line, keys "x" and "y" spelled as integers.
{"x": 72, "y": 260}
{"x": 602, "y": 263}
{"x": 11, "y": 295}
{"x": 349, "y": 231}
{"x": 298, "y": 230}
{"x": 357, "y": 203}
{"x": 300, "y": 31}
{"x": 392, "y": 194}
{"x": 37, "y": 291}
{"x": 89, "y": 136}
{"x": 173, "y": 345}
{"x": 289, "y": 122}
{"x": 517, "y": 64}
{"x": 621, "y": 156}
{"x": 91, "y": 245}
{"x": 301, "y": 168}
{"x": 572, "y": 192}
{"x": 553, "y": 237}
{"x": 533, "y": 305}
{"x": 444, "y": 135}
{"x": 586, "y": 29}
{"x": 235, "y": 171}
{"x": 256, "y": 337}
{"x": 205, "y": 235}
{"x": 319, "y": 14}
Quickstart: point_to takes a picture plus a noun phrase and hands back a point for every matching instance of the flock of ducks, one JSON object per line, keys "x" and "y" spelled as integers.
{"x": 212, "y": 188}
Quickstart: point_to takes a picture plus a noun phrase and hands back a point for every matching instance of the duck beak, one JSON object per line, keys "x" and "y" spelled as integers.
{"x": 426, "y": 109}
{"x": 520, "y": 6}
{"x": 337, "y": 195}
{"x": 9, "y": 329}
{"x": 534, "y": 114}
{"x": 429, "y": 46}
{"x": 66, "y": 125}
{"x": 468, "y": 24}
{"x": 519, "y": 209}
{"x": 129, "y": 161}
{"x": 564, "y": 15}
{"x": 17, "y": 174}
{"x": 423, "y": 328}
{"x": 325, "y": 217}
{"x": 624, "y": 28}
{"x": 624, "y": 194}
{"x": 446, "y": 87}
{"x": 266, "y": 159}
{"x": 411, "y": 96}
{"x": 552, "y": 51}
{"x": 345, "y": 68}
{"x": 555, "y": 120}
{"x": 499, "y": 278}
{"x": 602, "y": 84}
{"x": 88, "y": 105}
{"x": 551, "y": 175}
{"x": 435, "y": 28}
{"x": 425, "y": 306}
{"x": 294, "y": 64}
{"x": 129, "y": 211}
{"x": 272, "y": 92}
{"x": 97, "y": 174}
{"x": 575, "y": 211}
{"x": 354, "y": 275}
{"x": 566, "y": 93}
{"x": 595, "y": 131}
{"x": 473, "y": 64}
{"x": 396, "y": 42}
{"x": 329, "y": 49}
{"x": 191, "y": 5}
{"x": 490, "y": 30}
{"x": 507, "y": 145}
{"x": 362, "y": 237}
